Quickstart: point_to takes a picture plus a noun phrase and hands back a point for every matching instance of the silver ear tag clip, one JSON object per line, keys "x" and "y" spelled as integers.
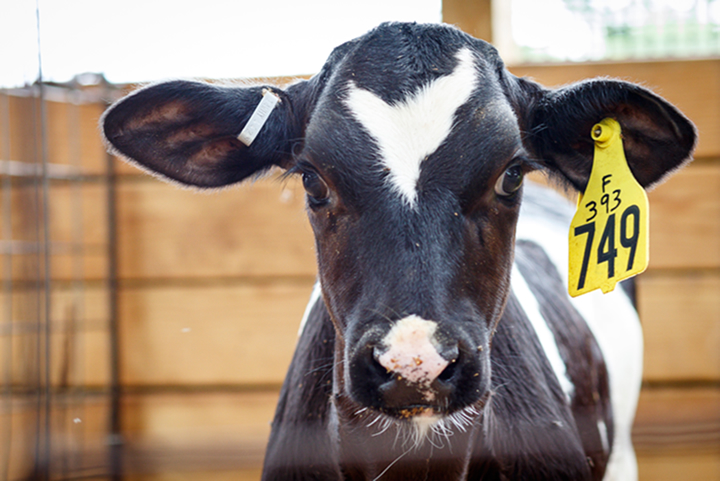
{"x": 258, "y": 118}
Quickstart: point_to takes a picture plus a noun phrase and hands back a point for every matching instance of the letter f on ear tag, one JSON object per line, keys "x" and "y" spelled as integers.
{"x": 609, "y": 232}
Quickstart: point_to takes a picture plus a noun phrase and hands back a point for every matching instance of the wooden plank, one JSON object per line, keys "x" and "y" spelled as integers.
{"x": 196, "y": 431}
{"x": 210, "y": 335}
{"x": 678, "y": 419}
{"x": 677, "y": 434}
{"x": 79, "y": 349}
{"x": 177, "y": 420}
{"x": 473, "y": 17}
{"x": 692, "y": 85}
{"x": 681, "y": 323}
{"x": 78, "y": 358}
{"x": 78, "y": 215}
{"x": 698, "y": 466}
{"x": 73, "y": 136}
{"x": 23, "y": 124}
{"x": 256, "y": 229}
{"x": 250, "y": 474}
{"x": 78, "y": 219}
{"x": 685, "y": 219}
{"x": 20, "y": 420}
{"x": 78, "y": 430}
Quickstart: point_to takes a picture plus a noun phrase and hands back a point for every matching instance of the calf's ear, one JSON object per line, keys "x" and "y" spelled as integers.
{"x": 656, "y": 136}
{"x": 187, "y": 132}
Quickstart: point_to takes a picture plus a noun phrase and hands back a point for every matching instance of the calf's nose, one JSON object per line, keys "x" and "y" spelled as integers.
{"x": 410, "y": 351}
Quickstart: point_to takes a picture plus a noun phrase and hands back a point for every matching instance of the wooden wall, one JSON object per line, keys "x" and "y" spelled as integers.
{"x": 212, "y": 288}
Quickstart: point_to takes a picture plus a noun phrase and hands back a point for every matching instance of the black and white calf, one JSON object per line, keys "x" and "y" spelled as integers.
{"x": 440, "y": 342}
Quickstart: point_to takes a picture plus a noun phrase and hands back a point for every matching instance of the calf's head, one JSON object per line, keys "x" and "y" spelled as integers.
{"x": 412, "y": 143}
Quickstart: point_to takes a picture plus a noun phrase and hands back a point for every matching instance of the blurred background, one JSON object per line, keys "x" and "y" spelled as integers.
{"x": 145, "y": 330}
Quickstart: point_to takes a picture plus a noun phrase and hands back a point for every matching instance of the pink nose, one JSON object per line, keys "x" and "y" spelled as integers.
{"x": 411, "y": 351}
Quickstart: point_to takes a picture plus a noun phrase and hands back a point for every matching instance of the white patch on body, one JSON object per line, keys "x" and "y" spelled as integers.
{"x": 602, "y": 429}
{"x": 613, "y": 321}
{"x": 411, "y": 351}
{"x": 547, "y": 339}
{"x": 411, "y": 130}
{"x": 314, "y": 298}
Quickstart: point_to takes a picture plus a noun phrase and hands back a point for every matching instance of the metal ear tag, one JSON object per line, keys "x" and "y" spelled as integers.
{"x": 609, "y": 232}
{"x": 259, "y": 117}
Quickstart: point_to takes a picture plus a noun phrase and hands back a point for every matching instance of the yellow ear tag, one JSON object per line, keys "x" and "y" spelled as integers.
{"x": 609, "y": 232}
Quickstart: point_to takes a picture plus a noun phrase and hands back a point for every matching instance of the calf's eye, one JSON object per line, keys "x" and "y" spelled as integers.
{"x": 316, "y": 188}
{"x": 509, "y": 182}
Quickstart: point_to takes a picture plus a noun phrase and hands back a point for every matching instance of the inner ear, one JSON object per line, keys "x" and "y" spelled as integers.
{"x": 657, "y": 137}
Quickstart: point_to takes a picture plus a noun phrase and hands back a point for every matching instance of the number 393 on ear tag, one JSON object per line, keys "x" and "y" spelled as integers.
{"x": 609, "y": 232}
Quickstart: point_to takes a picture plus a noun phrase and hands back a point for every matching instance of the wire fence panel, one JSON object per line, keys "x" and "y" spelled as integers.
{"x": 55, "y": 332}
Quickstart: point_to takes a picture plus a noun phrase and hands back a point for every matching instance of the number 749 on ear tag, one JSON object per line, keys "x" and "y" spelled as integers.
{"x": 609, "y": 232}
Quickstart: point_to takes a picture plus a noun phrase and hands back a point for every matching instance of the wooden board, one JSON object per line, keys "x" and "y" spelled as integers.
{"x": 685, "y": 219}
{"x": 171, "y": 473}
{"x": 680, "y": 313}
{"x": 23, "y": 126}
{"x": 679, "y": 466}
{"x": 677, "y": 434}
{"x": 197, "y": 431}
{"x": 72, "y": 134}
{"x": 78, "y": 435}
{"x": 257, "y": 229}
{"x": 676, "y": 418}
{"x": 77, "y": 359}
{"x": 78, "y": 230}
{"x": 474, "y": 17}
{"x": 79, "y": 349}
{"x": 217, "y": 334}
{"x": 692, "y": 85}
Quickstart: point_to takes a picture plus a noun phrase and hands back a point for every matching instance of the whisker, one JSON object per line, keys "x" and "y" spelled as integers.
{"x": 391, "y": 465}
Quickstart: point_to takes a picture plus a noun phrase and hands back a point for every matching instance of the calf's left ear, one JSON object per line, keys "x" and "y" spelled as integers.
{"x": 656, "y": 136}
{"x": 188, "y": 131}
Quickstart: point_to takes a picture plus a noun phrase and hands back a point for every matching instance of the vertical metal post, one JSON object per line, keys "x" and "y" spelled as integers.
{"x": 116, "y": 439}
{"x": 46, "y": 283}
{"x": 7, "y": 288}
{"x": 77, "y": 314}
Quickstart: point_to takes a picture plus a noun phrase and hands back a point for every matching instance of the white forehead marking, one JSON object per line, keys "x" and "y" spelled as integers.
{"x": 411, "y": 130}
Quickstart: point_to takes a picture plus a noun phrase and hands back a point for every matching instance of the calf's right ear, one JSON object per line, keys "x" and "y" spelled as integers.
{"x": 188, "y": 131}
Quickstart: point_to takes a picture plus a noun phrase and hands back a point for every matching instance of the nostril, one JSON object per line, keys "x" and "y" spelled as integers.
{"x": 377, "y": 368}
{"x": 450, "y": 353}
{"x": 449, "y": 372}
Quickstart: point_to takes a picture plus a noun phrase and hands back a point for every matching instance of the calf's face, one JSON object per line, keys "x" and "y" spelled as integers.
{"x": 412, "y": 143}
{"x": 413, "y": 198}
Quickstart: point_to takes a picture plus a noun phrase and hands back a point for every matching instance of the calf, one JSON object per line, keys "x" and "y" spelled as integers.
{"x": 439, "y": 342}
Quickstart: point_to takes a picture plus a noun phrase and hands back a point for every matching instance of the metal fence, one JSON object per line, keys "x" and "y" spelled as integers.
{"x": 58, "y": 380}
